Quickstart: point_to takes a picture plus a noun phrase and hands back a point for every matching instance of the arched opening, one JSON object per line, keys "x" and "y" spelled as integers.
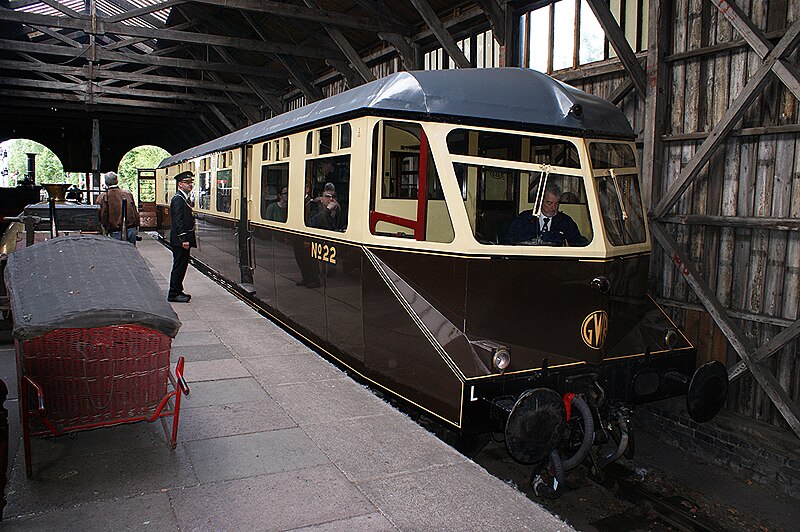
{"x": 14, "y": 164}
{"x": 145, "y": 157}
{"x": 136, "y": 173}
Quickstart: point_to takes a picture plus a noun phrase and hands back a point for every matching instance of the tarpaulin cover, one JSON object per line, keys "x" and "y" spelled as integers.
{"x": 84, "y": 282}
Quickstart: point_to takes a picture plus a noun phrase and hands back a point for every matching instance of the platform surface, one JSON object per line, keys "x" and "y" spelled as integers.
{"x": 272, "y": 437}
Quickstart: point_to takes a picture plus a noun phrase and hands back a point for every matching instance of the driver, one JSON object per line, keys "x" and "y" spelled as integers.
{"x": 550, "y": 226}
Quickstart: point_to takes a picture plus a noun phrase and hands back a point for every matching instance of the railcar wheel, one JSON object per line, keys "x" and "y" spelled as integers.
{"x": 707, "y": 391}
{"x": 535, "y": 426}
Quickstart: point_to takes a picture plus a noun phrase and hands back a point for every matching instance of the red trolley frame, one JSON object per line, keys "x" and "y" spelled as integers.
{"x": 60, "y": 378}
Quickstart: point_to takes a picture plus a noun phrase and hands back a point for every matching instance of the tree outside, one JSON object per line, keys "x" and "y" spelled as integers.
{"x": 48, "y": 166}
{"x": 50, "y": 170}
{"x": 141, "y": 157}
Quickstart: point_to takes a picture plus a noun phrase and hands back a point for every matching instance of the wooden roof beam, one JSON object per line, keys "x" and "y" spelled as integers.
{"x": 186, "y": 64}
{"x": 298, "y": 78}
{"x": 291, "y": 11}
{"x": 351, "y": 77}
{"x": 617, "y": 39}
{"x": 438, "y": 29}
{"x": 104, "y": 27}
{"x": 146, "y": 10}
{"x": 407, "y": 51}
{"x": 347, "y": 49}
{"x": 126, "y": 8}
{"x": 497, "y": 18}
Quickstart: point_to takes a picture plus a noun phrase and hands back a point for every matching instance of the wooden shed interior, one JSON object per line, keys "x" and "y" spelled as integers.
{"x": 711, "y": 88}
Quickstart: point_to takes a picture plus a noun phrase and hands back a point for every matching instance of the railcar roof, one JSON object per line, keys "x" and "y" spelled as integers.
{"x": 519, "y": 97}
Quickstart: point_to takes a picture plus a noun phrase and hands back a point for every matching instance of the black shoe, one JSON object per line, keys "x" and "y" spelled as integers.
{"x": 312, "y": 284}
{"x": 180, "y": 298}
{"x": 187, "y": 295}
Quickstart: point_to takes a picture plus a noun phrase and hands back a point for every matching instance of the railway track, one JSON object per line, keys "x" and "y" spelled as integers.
{"x": 677, "y": 512}
{"x": 620, "y": 501}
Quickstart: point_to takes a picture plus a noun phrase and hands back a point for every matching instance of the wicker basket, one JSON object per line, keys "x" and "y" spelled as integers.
{"x": 100, "y": 374}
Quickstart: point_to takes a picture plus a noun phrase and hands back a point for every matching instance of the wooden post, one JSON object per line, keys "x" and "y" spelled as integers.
{"x": 659, "y": 37}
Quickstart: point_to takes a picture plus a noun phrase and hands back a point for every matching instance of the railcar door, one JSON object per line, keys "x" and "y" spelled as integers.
{"x": 269, "y": 238}
{"x": 217, "y": 205}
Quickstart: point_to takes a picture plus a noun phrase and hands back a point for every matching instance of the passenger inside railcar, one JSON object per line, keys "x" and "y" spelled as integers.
{"x": 545, "y": 224}
{"x": 278, "y": 209}
{"x": 331, "y": 179}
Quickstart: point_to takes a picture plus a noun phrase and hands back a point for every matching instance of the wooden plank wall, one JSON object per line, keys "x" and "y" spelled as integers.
{"x": 755, "y": 272}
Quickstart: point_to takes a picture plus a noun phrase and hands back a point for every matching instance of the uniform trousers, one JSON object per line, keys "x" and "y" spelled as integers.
{"x": 180, "y": 262}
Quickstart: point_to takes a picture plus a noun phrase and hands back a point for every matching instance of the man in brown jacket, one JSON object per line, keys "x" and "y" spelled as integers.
{"x": 110, "y": 203}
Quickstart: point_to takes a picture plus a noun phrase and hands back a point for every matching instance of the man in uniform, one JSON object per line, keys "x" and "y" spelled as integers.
{"x": 550, "y": 227}
{"x": 181, "y": 236}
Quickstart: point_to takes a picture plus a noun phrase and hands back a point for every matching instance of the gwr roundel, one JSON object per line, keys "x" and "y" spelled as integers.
{"x": 594, "y": 329}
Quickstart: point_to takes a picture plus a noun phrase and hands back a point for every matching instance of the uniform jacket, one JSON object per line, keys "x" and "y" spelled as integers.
{"x": 182, "y": 227}
{"x": 111, "y": 209}
{"x": 562, "y": 229}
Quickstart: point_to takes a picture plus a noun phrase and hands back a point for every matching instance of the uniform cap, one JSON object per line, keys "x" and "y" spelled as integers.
{"x": 184, "y": 175}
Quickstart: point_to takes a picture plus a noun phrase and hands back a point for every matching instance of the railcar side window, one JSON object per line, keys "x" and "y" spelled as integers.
{"x": 536, "y": 198}
{"x": 345, "y": 133}
{"x": 509, "y": 147}
{"x": 224, "y": 184}
{"x": 617, "y": 182}
{"x": 274, "y": 191}
{"x": 325, "y": 140}
{"x": 204, "y": 184}
{"x": 204, "y": 190}
{"x": 169, "y": 187}
{"x": 328, "y": 184}
{"x": 611, "y": 155}
{"x": 401, "y": 161}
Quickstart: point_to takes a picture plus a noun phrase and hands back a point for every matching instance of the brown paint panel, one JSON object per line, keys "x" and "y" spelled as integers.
{"x": 264, "y": 264}
{"x": 216, "y": 245}
{"x": 536, "y": 307}
{"x": 441, "y": 279}
{"x": 343, "y": 303}
{"x": 400, "y": 357}
{"x": 302, "y": 303}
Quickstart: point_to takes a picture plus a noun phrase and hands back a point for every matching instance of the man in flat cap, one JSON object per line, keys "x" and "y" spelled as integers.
{"x": 181, "y": 236}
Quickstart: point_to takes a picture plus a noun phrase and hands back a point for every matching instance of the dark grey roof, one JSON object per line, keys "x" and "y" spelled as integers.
{"x": 520, "y": 97}
{"x": 83, "y": 282}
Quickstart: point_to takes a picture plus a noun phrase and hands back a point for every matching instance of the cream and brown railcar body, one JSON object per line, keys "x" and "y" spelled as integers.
{"x": 417, "y": 288}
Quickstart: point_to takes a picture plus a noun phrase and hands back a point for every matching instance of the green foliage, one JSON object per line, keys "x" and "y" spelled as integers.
{"x": 48, "y": 166}
{"x": 50, "y": 170}
{"x": 142, "y": 157}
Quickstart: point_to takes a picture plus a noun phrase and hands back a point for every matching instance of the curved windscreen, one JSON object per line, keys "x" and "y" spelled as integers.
{"x": 619, "y": 194}
{"x": 521, "y": 189}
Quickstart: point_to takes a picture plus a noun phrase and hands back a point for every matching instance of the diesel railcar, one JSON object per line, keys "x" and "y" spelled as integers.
{"x": 414, "y": 279}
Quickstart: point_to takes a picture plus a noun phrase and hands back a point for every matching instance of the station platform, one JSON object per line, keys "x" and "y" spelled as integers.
{"x": 272, "y": 437}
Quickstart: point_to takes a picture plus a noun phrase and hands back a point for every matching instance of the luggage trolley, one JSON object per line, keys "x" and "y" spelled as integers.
{"x": 93, "y": 334}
